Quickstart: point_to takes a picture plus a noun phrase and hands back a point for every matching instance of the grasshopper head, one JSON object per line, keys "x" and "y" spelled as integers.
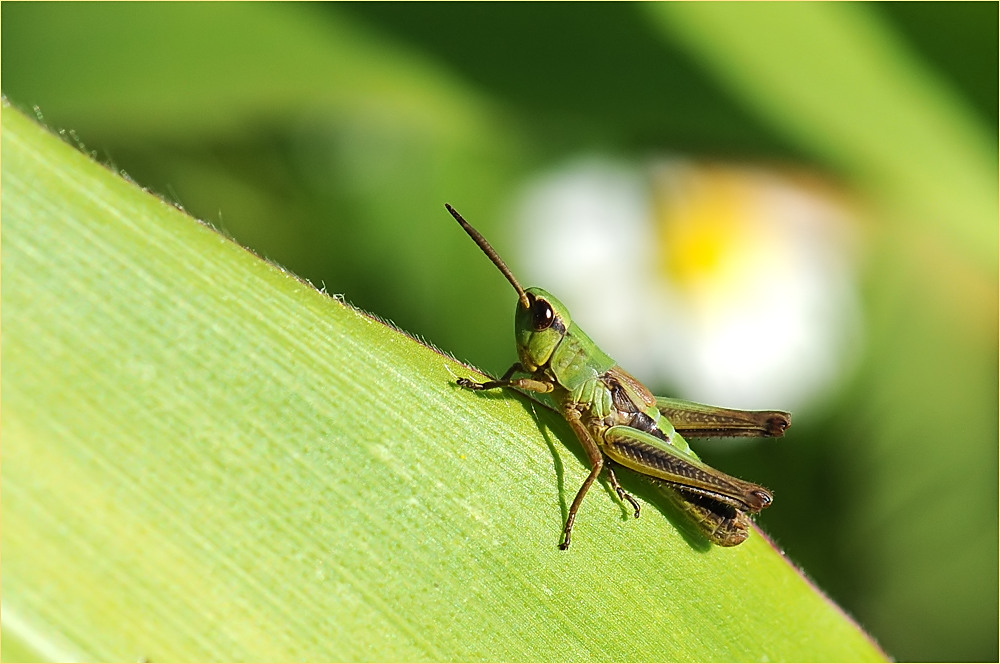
{"x": 541, "y": 320}
{"x": 539, "y": 327}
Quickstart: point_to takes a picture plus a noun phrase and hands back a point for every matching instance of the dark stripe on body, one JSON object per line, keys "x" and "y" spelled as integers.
{"x": 620, "y": 397}
{"x": 624, "y": 404}
{"x": 644, "y": 422}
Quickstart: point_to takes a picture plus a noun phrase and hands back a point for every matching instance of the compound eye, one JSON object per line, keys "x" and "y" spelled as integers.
{"x": 542, "y": 315}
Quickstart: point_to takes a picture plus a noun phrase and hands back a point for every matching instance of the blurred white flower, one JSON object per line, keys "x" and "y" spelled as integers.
{"x": 736, "y": 285}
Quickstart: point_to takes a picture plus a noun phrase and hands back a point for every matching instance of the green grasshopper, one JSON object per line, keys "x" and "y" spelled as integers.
{"x": 620, "y": 422}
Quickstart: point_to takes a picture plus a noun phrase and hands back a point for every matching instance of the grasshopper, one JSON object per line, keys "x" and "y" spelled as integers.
{"x": 619, "y": 422}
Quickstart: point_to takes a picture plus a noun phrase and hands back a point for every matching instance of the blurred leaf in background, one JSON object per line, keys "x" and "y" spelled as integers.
{"x": 327, "y": 138}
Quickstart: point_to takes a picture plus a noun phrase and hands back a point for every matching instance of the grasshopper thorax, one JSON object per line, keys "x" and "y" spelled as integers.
{"x": 539, "y": 327}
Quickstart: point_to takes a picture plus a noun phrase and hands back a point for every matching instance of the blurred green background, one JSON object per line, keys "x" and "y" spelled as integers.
{"x": 327, "y": 137}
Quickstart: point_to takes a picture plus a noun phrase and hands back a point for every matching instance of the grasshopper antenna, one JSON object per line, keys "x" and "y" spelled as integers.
{"x": 491, "y": 253}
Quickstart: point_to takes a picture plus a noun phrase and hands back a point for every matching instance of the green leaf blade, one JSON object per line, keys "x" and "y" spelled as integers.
{"x": 207, "y": 459}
